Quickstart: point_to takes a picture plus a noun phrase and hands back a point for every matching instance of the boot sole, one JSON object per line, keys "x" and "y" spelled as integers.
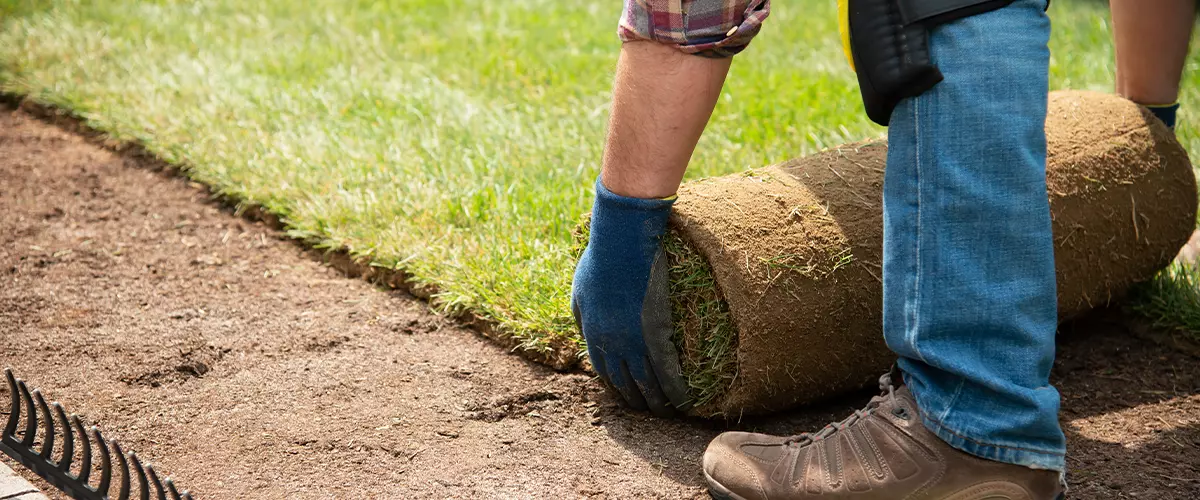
{"x": 719, "y": 492}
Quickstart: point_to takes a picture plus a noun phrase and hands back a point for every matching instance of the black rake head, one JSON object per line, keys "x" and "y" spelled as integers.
{"x": 39, "y": 459}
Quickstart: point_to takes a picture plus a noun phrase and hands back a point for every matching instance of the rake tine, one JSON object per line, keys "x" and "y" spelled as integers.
{"x": 14, "y": 413}
{"x": 126, "y": 478}
{"x": 39, "y": 457}
{"x": 158, "y": 486}
{"x": 143, "y": 485}
{"x": 30, "y": 414}
{"x": 105, "y": 461}
{"x": 171, "y": 489}
{"x": 68, "y": 448}
{"x": 85, "y": 465}
{"x": 47, "y": 424}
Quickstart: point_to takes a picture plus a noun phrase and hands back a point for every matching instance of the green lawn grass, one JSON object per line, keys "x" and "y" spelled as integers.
{"x": 456, "y": 140}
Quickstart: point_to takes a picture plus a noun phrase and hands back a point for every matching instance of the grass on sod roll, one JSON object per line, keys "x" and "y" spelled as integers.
{"x": 456, "y": 140}
{"x": 708, "y": 357}
{"x": 1172, "y": 300}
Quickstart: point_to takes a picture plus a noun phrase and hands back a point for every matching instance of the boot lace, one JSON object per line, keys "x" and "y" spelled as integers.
{"x": 888, "y": 394}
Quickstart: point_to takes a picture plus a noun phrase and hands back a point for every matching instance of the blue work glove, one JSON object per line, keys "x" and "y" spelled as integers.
{"x": 1165, "y": 112}
{"x": 620, "y": 302}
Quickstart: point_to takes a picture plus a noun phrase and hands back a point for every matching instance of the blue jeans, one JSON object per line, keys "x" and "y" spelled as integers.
{"x": 968, "y": 259}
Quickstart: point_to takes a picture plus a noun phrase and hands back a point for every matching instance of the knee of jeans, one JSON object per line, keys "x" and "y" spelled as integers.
{"x": 710, "y": 28}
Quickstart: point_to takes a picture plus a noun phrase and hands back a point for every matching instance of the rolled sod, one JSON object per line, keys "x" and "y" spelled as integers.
{"x": 776, "y": 272}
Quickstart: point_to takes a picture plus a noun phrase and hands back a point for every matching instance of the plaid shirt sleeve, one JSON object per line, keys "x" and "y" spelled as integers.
{"x": 712, "y": 28}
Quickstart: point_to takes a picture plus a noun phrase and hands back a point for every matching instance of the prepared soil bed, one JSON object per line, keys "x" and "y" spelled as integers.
{"x": 241, "y": 366}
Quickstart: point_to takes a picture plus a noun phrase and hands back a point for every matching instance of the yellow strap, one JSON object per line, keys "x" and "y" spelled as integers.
{"x": 844, "y": 30}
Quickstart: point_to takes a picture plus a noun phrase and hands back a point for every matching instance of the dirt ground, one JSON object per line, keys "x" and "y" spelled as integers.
{"x": 243, "y": 367}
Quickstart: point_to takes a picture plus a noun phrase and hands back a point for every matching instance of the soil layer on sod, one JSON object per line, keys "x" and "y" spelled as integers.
{"x": 796, "y": 252}
{"x": 237, "y": 363}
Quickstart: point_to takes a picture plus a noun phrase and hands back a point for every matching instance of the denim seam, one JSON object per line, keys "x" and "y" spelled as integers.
{"x": 953, "y": 399}
{"x": 916, "y": 294}
{"x": 943, "y": 428}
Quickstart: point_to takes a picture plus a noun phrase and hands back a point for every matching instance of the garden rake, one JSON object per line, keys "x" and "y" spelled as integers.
{"x": 23, "y": 449}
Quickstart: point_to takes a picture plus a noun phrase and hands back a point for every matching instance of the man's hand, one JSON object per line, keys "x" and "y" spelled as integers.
{"x": 662, "y": 98}
{"x": 619, "y": 299}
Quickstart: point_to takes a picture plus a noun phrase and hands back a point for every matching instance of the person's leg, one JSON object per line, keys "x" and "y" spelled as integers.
{"x": 969, "y": 288}
{"x": 969, "y": 298}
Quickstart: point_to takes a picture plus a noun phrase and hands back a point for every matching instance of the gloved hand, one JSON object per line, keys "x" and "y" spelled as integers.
{"x": 619, "y": 299}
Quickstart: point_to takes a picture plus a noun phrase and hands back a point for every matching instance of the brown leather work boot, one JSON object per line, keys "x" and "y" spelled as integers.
{"x": 882, "y": 452}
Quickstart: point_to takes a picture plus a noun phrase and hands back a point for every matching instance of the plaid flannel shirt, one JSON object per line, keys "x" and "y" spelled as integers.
{"x": 711, "y": 28}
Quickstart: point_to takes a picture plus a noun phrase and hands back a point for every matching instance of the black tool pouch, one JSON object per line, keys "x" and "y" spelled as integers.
{"x": 890, "y": 43}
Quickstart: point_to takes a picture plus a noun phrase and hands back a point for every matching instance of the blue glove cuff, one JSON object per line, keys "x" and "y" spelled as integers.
{"x": 1165, "y": 112}
{"x": 628, "y": 229}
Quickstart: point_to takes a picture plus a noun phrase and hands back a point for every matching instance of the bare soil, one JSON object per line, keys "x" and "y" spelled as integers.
{"x": 244, "y": 367}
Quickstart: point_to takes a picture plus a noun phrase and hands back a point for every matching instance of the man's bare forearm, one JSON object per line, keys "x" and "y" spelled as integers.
{"x": 1152, "y": 44}
{"x": 662, "y": 99}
